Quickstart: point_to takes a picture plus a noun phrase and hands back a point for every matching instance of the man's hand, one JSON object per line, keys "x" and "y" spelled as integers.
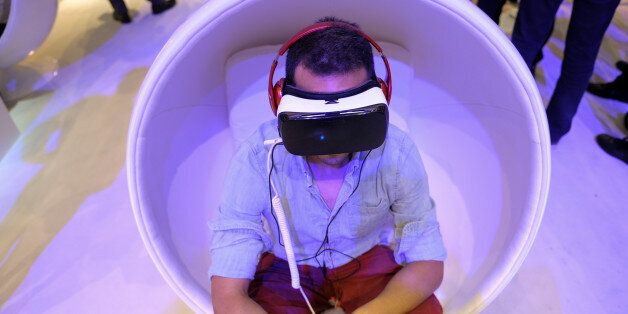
{"x": 407, "y": 289}
{"x": 229, "y": 295}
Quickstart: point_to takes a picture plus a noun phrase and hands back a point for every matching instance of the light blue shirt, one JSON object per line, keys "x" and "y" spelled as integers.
{"x": 391, "y": 205}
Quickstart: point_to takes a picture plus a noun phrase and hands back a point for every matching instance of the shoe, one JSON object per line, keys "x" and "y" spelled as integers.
{"x": 615, "y": 147}
{"x": 163, "y": 6}
{"x": 617, "y": 89}
{"x": 122, "y": 17}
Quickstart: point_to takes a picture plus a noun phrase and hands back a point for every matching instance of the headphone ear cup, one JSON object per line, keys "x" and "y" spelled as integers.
{"x": 384, "y": 87}
{"x": 277, "y": 94}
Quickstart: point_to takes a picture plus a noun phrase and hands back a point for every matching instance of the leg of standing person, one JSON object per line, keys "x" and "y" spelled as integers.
{"x": 159, "y": 6}
{"x": 492, "y": 8}
{"x": 539, "y": 56}
{"x": 533, "y": 27}
{"x": 118, "y": 5}
{"x": 120, "y": 11}
{"x": 589, "y": 21}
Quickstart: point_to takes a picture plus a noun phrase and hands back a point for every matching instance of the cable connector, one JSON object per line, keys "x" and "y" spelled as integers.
{"x": 273, "y": 141}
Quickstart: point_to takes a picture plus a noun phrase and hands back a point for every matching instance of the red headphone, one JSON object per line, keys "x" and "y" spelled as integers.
{"x": 274, "y": 92}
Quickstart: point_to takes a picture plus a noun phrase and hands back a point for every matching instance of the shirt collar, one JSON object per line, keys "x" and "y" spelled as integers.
{"x": 354, "y": 164}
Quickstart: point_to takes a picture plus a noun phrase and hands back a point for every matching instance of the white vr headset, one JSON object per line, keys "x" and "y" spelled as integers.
{"x": 344, "y": 122}
{"x": 322, "y": 124}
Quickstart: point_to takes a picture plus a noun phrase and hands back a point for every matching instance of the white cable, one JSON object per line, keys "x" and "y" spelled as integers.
{"x": 283, "y": 227}
{"x": 307, "y": 301}
{"x": 287, "y": 241}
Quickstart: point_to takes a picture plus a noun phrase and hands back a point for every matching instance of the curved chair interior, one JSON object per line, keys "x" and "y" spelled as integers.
{"x": 464, "y": 96}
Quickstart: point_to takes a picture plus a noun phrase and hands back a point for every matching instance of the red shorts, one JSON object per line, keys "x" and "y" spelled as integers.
{"x": 353, "y": 284}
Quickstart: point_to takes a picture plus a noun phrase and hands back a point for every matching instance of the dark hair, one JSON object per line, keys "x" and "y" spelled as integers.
{"x": 334, "y": 50}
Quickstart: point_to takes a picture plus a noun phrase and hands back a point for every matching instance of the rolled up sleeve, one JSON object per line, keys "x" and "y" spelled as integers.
{"x": 236, "y": 247}
{"x": 238, "y": 236}
{"x": 417, "y": 232}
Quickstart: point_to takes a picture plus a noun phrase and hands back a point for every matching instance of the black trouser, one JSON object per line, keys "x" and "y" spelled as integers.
{"x": 492, "y": 8}
{"x": 119, "y": 6}
{"x": 589, "y": 21}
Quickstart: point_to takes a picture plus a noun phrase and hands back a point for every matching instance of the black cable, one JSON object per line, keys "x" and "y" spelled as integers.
{"x": 320, "y": 249}
{"x": 326, "y": 240}
{"x": 270, "y": 192}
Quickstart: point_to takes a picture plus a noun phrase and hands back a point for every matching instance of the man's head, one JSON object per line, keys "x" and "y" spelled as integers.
{"x": 329, "y": 61}
{"x": 330, "y": 101}
{"x": 330, "y": 52}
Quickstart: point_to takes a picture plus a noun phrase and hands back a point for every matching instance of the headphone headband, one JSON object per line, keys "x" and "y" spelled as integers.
{"x": 315, "y": 28}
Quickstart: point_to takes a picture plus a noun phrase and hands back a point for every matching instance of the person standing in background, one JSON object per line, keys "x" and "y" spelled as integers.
{"x": 589, "y": 21}
{"x": 121, "y": 13}
{"x": 492, "y": 8}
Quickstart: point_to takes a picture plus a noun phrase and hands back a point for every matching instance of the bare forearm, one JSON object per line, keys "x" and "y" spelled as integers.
{"x": 407, "y": 289}
{"x": 230, "y": 296}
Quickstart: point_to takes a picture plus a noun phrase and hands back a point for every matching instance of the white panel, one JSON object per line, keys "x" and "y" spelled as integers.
{"x": 29, "y": 23}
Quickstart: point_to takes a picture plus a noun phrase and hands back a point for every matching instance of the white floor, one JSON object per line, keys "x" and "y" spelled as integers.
{"x": 68, "y": 240}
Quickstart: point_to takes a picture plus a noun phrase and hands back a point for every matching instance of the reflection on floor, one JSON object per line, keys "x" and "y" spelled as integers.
{"x": 68, "y": 241}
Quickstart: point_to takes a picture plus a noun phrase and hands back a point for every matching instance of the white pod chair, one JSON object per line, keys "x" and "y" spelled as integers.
{"x": 459, "y": 88}
{"x": 30, "y": 22}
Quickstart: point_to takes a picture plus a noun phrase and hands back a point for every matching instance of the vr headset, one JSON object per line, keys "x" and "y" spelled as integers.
{"x": 331, "y": 123}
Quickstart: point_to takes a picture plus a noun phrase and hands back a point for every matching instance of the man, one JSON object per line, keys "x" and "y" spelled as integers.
{"x": 342, "y": 209}
{"x": 533, "y": 26}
